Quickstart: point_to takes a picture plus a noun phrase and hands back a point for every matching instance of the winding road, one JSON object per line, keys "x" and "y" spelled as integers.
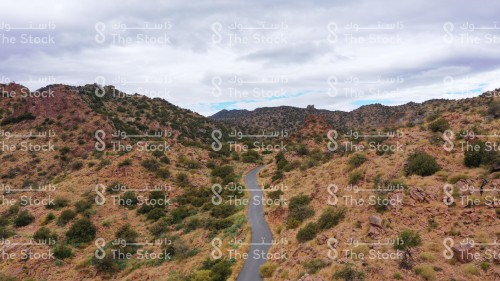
{"x": 261, "y": 233}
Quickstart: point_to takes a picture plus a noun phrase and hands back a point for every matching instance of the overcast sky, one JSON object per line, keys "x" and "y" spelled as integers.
{"x": 211, "y": 55}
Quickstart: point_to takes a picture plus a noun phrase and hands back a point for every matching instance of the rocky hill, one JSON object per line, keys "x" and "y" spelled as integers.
{"x": 97, "y": 185}
{"x": 86, "y": 167}
{"x": 368, "y": 116}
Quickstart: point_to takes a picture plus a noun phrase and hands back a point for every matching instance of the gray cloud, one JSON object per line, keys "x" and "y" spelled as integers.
{"x": 285, "y": 52}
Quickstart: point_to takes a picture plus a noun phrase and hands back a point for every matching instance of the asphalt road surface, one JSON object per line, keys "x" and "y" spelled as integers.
{"x": 261, "y": 233}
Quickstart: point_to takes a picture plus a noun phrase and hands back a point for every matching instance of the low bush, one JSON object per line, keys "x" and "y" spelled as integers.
{"x": 348, "y": 273}
{"x": 150, "y": 165}
{"x": 223, "y": 210}
{"x": 266, "y": 270}
{"x": 58, "y": 203}
{"x": 407, "y": 239}
{"x": 314, "y": 266}
{"x": 299, "y": 210}
{"x": 331, "y": 217}
{"x": 355, "y": 177}
{"x": 156, "y": 214}
{"x": 422, "y": 164}
{"x": 439, "y": 125}
{"x": 23, "y": 218}
{"x": 425, "y": 271}
{"x": 62, "y": 252}
{"x": 44, "y": 235}
{"x": 308, "y": 232}
{"x": 65, "y": 217}
{"x": 5, "y": 232}
{"x": 126, "y": 162}
{"x": 356, "y": 160}
{"x": 82, "y": 231}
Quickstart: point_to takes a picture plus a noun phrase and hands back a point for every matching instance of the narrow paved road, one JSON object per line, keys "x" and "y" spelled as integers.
{"x": 261, "y": 233}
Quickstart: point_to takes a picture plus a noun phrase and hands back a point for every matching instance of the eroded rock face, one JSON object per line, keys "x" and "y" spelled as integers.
{"x": 419, "y": 195}
{"x": 464, "y": 253}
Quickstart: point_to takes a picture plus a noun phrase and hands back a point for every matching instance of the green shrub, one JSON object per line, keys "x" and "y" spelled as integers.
{"x": 275, "y": 194}
{"x": 163, "y": 173}
{"x": 23, "y": 218}
{"x": 222, "y": 171}
{"x": 50, "y": 217}
{"x": 266, "y": 270}
{"x": 13, "y": 210}
{"x": 250, "y": 156}
{"x": 308, "y": 232}
{"x": 62, "y": 251}
{"x": 182, "y": 179}
{"x": 155, "y": 214}
{"x": 355, "y": 177}
{"x": 484, "y": 265}
{"x": 299, "y": 210}
{"x": 158, "y": 153}
{"x": 44, "y": 235}
{"x": 440, "y": 125}
{"x": 126, "y": 162}
{"x": 129, "y": 199}
{"x": 83, "y": 205}
{"x": 17, "y": 119}
{"x": 348, "y": 273}
{"x": 302, "y": 150}
{"x": 59, "y": 203}
{"x": 494, "y": 109}
{"x": 427, "y": 256}
{"x": 192, "y": 224}
{"x": 76, "y": 165}
{"x": 356, "y": 160}
{"x": 65, "y": 217}
{"x": 478, "y": 156}
{"x": 422, "y": 164}
{"x": 426, "y": 271}
{"x": 221, "y": 271}
{"x": 407, "y": 239}
{"x": 278, "y": 175}
{"x": 160, "y": 227}
{"x": 179, "y": 213}
{"x": 108, "y": 264}
{"x": 165, "y": 160}
{"x": 331, "y": 217}
{"x": 150, "y": 165}
{"x": 82, "y": 231}
{"x": 128, "y": 235}
{"x": 223, "y": 210}
{"x": 470, "y": 269}
{"x": 314, "y": 266}
{"x": 216, "y": 225}
{"x": 5, "y": 232}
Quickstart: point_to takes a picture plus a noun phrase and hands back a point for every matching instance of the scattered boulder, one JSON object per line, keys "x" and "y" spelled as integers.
{"x": 375, "y": 231}
{"x": 464, "y": 253}
{"x": 375, "y": 221}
